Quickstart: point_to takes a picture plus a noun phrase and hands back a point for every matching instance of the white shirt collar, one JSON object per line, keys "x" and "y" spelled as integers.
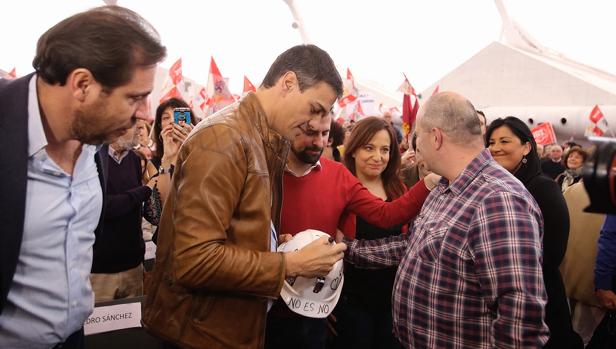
{"x": 36, "y": 134}
{"x": 317, "y": 165}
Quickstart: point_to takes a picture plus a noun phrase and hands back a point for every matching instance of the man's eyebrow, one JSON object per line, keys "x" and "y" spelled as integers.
{"x": 321, "y": 109}
{"x": 139, "y": 94}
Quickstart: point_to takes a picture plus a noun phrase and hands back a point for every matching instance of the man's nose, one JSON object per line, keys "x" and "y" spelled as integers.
{"x": 142, "y": 110}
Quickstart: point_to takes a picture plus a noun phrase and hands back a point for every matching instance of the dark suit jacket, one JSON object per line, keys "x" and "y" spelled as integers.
{"x": 13, "y": 176}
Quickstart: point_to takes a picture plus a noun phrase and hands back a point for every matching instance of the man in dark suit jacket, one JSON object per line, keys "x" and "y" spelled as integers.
{"x": 94, "y": 71}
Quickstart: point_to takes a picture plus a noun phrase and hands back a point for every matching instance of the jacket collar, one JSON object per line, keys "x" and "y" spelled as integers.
{"x": 273, "y": 140}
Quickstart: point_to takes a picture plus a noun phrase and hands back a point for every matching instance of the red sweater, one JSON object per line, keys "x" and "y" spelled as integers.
{"x": 320, "y": 199}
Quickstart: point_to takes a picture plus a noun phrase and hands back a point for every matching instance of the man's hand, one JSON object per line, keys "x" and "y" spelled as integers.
{"x": 606, "y": 298}
{"x": 282, "y": 238}
{"x": 315, "y": 259}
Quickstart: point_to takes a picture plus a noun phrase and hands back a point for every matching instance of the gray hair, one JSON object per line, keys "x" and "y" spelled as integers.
{"x": 454, "y": 115}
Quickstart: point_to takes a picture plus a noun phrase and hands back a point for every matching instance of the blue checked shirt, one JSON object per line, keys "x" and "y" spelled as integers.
{"x": 469, "y": 271}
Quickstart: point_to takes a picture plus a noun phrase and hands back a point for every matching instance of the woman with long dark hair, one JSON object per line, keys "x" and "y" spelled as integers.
{"x": 364, "y": 318}
{"x": 513, "y": 146}
{"x": 168, "y": 137}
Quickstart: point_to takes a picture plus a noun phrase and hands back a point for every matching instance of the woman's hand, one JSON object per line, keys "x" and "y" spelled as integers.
{"x": 180, "y": 133}
{"x": 431, "y": 180}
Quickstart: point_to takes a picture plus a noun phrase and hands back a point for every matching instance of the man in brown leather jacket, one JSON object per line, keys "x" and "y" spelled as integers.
{"x": 215, "y": 272}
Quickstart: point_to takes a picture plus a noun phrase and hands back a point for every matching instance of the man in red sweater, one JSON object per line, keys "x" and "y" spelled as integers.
{"x": 317, "y": 194}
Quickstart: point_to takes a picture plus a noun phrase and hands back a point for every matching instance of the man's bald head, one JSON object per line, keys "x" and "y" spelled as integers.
{"x": 454, "y": 115}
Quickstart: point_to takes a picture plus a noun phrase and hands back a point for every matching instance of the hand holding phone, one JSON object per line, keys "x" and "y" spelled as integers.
{"x": 181, "y": 116}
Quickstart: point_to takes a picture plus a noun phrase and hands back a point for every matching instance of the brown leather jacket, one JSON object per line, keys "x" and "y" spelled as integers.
{"x": 214, "y": 272}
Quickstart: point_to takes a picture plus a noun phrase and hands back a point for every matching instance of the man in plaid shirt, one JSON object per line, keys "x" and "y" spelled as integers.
{"x": 469, "y": 271}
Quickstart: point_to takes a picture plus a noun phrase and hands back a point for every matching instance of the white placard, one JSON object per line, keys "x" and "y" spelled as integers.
{"x": 113, "y": 317}
{"x": 150, "y": 250}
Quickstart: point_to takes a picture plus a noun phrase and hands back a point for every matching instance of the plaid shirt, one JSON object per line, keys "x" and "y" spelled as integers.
{"x": 469, "y": 272}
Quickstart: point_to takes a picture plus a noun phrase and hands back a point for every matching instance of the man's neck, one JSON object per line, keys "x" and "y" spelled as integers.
{"x": 118, "y": 149}
{"x": 457, "y": 162}
{"x": 56, "y": 120}
{"x": 559, "y": 160}
{"x": 297, "y": 166}
{"x": 55, "y": 115}
{"x": 264, "y": 97}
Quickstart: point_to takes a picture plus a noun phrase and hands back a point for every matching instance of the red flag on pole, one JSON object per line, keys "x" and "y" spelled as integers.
{"x": 350, "y": 92}
{"x": 175, "y": 72}
{"x": 248, "y": 86}
{"x": 598, "y": 123}
{"x": 360, "y": 110}
{"x": 201, "y": 99}
{"x": 217, "y": 89}
{"x": 172, "y": 82}
{"x": 172, "y": 93}
{"x": 595, "y": 114}
{"x": 12, "y": 74}
{"x": 436, "y": 90}
{"x": 409, "y": 109}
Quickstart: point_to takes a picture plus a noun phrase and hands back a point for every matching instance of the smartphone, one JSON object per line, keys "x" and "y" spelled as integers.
{"x": 181, "y": 116}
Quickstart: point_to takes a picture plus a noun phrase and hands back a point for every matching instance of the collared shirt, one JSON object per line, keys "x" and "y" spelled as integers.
{"x": 317, "y": 166}
{"x": 51, "y": 297}
{"x": 470, "y": 270}
{"x": 117, "y": 156}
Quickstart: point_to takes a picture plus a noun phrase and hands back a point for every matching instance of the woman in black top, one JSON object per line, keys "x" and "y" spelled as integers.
{"x": 512, "y": 145}
{"x": 168, "y": 137}
{"x": 364, "y": 312}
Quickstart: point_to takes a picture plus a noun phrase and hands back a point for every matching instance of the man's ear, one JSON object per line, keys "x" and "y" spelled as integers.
{"x": 289, "y": 81}
{"x": 80, "y": 81}
{"x": 437, "y": 137}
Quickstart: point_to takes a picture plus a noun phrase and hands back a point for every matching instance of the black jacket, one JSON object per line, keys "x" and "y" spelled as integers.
{"x": 553, "y": 207}
{"x": 13, "y": 176}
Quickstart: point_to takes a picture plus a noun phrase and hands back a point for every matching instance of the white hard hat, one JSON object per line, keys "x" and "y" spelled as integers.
{"x": 314, "y": 297}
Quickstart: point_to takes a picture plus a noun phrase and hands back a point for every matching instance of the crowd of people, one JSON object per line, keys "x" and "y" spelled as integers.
{"x": 464, "y": 234}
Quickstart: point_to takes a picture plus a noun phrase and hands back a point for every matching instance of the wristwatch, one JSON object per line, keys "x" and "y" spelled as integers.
{"x": 162, "y": 170}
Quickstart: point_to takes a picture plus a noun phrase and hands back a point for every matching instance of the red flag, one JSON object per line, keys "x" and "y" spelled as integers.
{"x": 12, "y": 74}
{"x": 201, "y": 99}
{"x": 436, "y": 90}
{"x": 360, "y": 110}
{"x": 172, "y": 93}
{"x": 544, "y": 134}
{"x": 595, "y": 114}
{"x": 409, "y": 109}
{"x": 217, "y": 89}
{"x": 598, "y": 123}
{"x": 350, "y": 92}
{"x": 175, "y": 72}
{"x": 248, "y": 86}
{"x": 406, "y": 87}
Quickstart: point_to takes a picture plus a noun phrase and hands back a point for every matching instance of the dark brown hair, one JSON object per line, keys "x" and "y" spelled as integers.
{"x": 109, "y": 41}
{"x": 310, "y": 64}
{"x": 362, "y": 133}
{"x": 575, "y": 149}
{"x": 157, "y": 127}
